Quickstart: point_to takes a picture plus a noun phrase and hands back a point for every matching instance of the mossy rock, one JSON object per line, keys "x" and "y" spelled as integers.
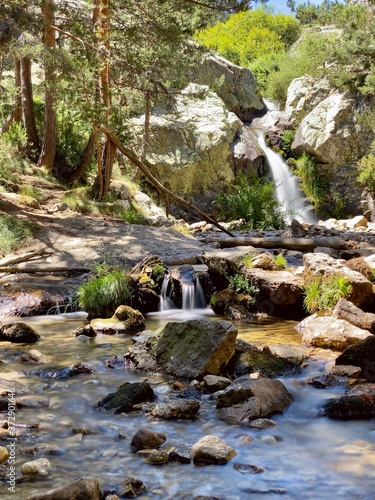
{"x": 354, "y": 407}
{"x": 18, "y": 333}
{"x": 127, "y": 396}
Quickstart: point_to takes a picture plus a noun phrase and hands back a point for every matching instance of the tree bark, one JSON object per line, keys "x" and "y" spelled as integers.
{"x": 47, "y": 155}
{"x": 84, "y": 160}
{"x": 15, "y": 114}
{"x": 28, "y": 115}
{"x": 274, "y": 242}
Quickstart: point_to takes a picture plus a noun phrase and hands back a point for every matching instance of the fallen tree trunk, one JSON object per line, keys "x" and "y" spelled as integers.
{"x": 158, "y": 184}
{"x": 24, "y": 257}
{"x": 274, "y": 242}
{"x": 45, "y": 270}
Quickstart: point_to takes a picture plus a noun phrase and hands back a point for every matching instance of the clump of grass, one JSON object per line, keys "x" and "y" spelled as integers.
{"x": 248, "y": 261}
{"x": 280, "y": 262}
{"x": 182, "y": 229}
{"x": 241, "y": 285}
{"x": 12, "y": 232}
{"x": 321, "y": 295}
{"x": 107, "y": 289}
{"x": 30, "y": 191}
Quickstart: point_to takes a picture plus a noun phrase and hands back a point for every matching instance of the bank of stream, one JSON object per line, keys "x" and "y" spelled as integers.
{"x": 304, "y": 456}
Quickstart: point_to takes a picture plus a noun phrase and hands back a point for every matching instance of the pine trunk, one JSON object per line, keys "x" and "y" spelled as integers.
{"x": 28, "y": 115}
{"x": 15, "y": 114}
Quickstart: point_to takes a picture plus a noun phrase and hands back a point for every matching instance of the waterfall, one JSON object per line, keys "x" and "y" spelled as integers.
{"x": 288, "y": 192}
{"x": 192, "y": 295}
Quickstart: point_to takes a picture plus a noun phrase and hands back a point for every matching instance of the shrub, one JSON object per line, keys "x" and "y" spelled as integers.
{"x": 366, "y": 173}
{"x": 106, "y": 290}
{"x": 255, "y": 203}
{"x": 313, "y": 182}
{"x": 280, "y": 262}
{"x": 240, "y": 284}
{"x": 321, "y": 295}
{"x": 12, "y": 232}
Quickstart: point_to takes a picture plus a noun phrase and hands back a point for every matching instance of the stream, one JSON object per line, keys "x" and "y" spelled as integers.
{"x": 304, "y": 456}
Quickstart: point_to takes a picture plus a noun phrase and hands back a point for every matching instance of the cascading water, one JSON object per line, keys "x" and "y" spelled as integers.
{"x": 288, "y": 192}
{"x": 191, "y": 290}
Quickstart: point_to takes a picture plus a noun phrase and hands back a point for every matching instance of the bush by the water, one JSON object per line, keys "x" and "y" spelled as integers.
{"x": 321, "y": 295}
{"x": 255, "y": 203}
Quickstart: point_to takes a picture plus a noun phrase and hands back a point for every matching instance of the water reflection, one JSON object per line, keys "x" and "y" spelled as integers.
{"x": 309, "y": 457}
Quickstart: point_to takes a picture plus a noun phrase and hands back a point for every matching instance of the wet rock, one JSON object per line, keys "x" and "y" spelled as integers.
{"x": 4, "y": 454}
{"x": 246, "y": 400}
{"x": 19, "y": 333}
{"x": 346, "y": 310}
{"x": 323, "y": 381}
{"x": 189, "y": 349}
{"x": 12, "y": 386}
{"x": 127, "y": 396}
{"x": 233, "y": 305}
{"x": 212, "y": 450}
{"x": 81, "y": 368}
{"x": 349, "y": 407}
{"x": 345, "y": 371}
{"x": 247, "y": 469}
{"x": 147, "y": 439}
{"x": 32, "y": 401}
{"x": 249, "y": 359}
{"x": 132, "y": 319}
{"x": 87, "y": 330}
{"x": 157, "y": 457}
{"x": 329, "y": 333}
{"x": 132, "y": 488}
{"x": 84, "y": 488}
{"x": 110, "y": 326}
{"x": 176, "y": 410}
{"x": 261, "y": 424}
{"x": 37, "y": 468}
{"x": 215, "y": 383}
{"x": 181, "y": 455}
{"x": 295, "y": 230}
{"x": 361, "y": 354}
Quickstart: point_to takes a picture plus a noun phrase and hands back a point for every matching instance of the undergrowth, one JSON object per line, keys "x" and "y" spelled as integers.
{"x": 321, "y": 295}
{"x": 13, "y": 232}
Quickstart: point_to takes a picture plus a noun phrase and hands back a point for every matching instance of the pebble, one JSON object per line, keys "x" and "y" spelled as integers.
{"x": 37, "y": 468}
{"x": 4, "y": 454}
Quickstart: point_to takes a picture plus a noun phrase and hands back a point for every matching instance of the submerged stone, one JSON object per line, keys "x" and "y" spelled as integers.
{"x": 127, "y": 396}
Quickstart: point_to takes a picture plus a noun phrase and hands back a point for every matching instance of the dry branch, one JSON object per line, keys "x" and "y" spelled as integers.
{"x": 274, "y": 242}
{"x": 44, "y": 270}
{"x": 158, "y": 184}
{"x": 8, "y": 261}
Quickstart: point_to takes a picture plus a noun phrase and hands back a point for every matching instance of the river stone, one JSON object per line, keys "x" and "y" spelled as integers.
{"x": 264, "y": 261}
{"x": 323, "y": 266}
{"x": 350, "y": 407}
{"x": 132, "y": 319}
{"x": 215, "y": 383}
{"x": 329, "y": 333}
{"x": 346, "y": 310}
{"x": 212, "y": 450}
{"x": 32, "y": 401}
{"x": 127, "y": 396}
{"x": 19, "y": 333}
{"x": 221, "y": 262}
{"x": 249, "y": 359}
{"x": 176, "y": 410}
{"x": 86, "y": 488}
{"x": 147, "y": 439}
{"x": 361, "y": 354}
{"x": 132, "y": 488}
{"x": 12, "y": 386}
{"x": 4, "y": 454}
{"x": 37, "y": 468}
{"x": 247, "y": 399}
{"x": 189, "y": 349}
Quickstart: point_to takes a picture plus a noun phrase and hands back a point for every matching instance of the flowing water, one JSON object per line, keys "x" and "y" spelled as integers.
{"x": 288, "y": 192}
{"x": 305, "y": 456}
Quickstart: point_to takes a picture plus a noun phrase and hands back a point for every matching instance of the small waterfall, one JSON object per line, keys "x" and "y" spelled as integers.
{"x": 288, "y": 192}
{"x": 191, "y": 291}
{"x": 166, "y": 302}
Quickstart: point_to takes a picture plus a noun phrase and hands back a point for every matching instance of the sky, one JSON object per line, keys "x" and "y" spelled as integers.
{"x": 280, "y": 5}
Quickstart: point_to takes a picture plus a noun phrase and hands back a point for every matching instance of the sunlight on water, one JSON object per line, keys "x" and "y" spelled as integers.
{"x": 310, "y": 457}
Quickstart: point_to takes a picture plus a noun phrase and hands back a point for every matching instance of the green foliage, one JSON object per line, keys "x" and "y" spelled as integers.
{"x": 246, "y": 36}
{"x": 313, "y": 183}
{"x": 366, "y": 173}
{"x": 248, "y": 261}
{"x": 30, "y": 191}
{"x": 12, "y": 233}
{"x": 287, "y": 140}
{"x": 108, "y": 289}
{"x": 321, "y": 295}
{"x": 241, "y": 285}
{"x": 280, "y": 262}
{"x": 254, "y": 203}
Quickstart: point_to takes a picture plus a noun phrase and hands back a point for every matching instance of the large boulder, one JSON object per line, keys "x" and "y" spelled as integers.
{"x": 305, "y": 93}
{"x": 127, "y": 396}
{"x": 246, "y": 400}
{"x": 280, "y": 293}
{"x": 321, "y": 265}
{"x": 189, "y": 349}
{"x": 329, "y": 333}
{"x": 361, "y": 354}
{"x": 358, "y": 402}
{"x": 189, "y": 148}
{"x": 18, "y": 333}
{"x": 235, "y": 85}
{"x": 332, "y": 134}
{"x": 346, "y": 310}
